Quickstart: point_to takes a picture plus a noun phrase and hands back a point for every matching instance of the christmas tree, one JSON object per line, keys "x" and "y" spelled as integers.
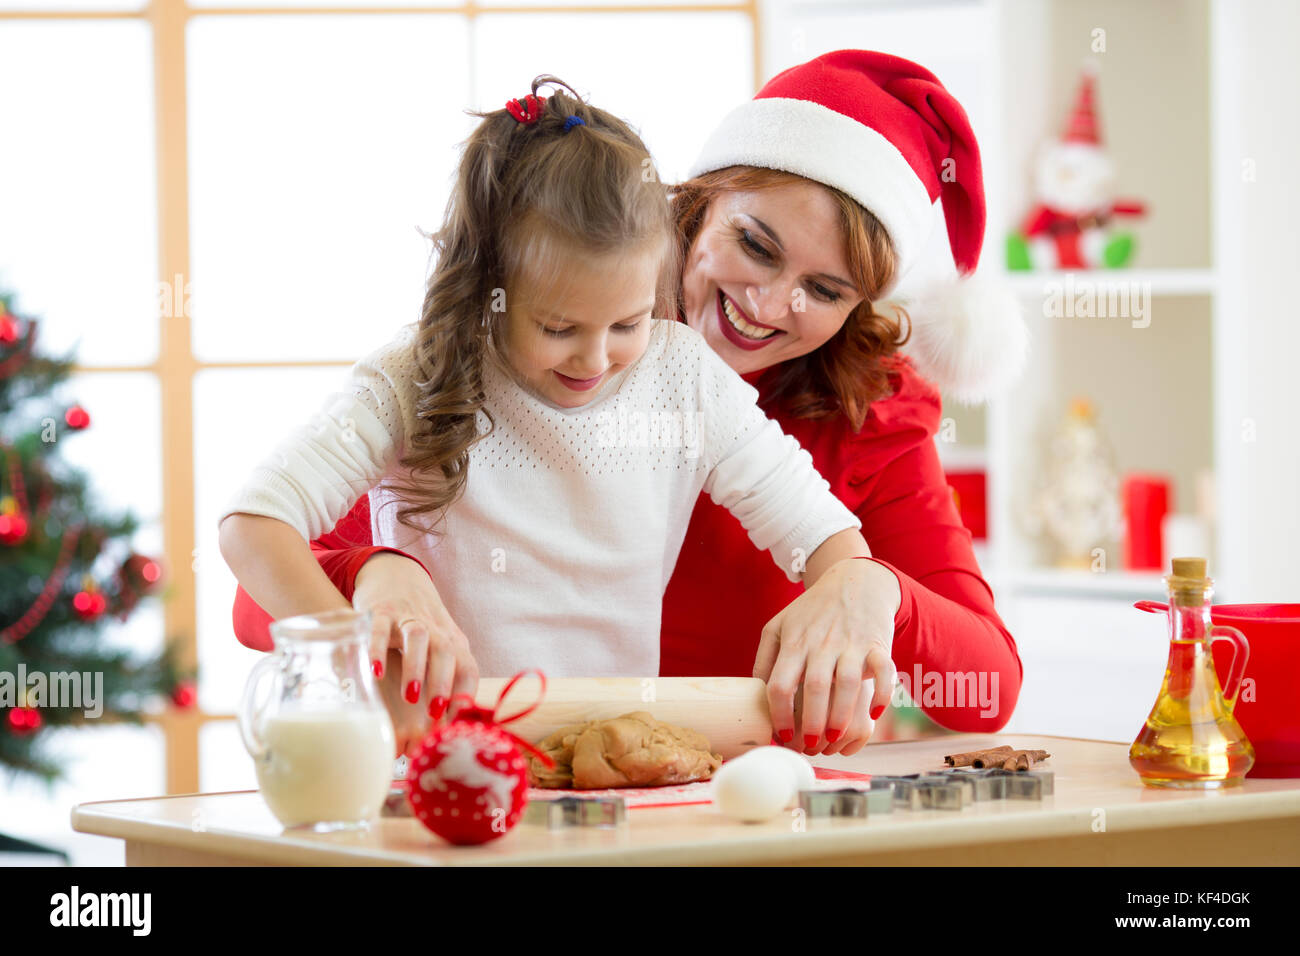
{"x": 65, "y": 570}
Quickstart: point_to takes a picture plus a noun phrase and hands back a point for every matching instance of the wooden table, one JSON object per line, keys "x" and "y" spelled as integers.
{"x": 1100, "y": 814}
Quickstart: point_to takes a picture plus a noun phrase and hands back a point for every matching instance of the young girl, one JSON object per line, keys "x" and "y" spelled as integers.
{"x": 539, "y": 438}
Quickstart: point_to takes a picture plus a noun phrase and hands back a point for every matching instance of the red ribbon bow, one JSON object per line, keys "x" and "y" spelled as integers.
{"x": 474, "y": 712}
{"x": 527, "y": 110}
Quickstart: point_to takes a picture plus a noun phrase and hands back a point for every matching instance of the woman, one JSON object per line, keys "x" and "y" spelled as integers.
{"x": 866, "y": 142}
{"x": 805, "y": 208}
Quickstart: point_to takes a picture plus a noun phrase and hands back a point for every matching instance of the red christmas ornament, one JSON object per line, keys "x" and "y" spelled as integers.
{"x": 8, "y": 330}
{"x": 145, "y": 570}
{"x": 468, "y": 782}
{"x": 77, "y": 417}
{"x": 184, "y": 695}
{"x": 24, "y": 720}
{"x": 89, "y": 604}
{"x": 13, "y": 527}
{"x": 137, "y": 577}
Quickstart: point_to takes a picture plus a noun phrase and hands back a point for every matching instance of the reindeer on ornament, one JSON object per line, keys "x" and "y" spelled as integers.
{"x": 461, "y": 765}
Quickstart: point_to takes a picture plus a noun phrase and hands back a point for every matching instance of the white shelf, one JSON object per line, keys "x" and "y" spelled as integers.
{"x": 1120, "y": 585}
{"x": 1158, "y": 281}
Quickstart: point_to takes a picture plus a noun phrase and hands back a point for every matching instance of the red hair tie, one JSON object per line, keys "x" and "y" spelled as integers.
{"x": 527, "y": 110}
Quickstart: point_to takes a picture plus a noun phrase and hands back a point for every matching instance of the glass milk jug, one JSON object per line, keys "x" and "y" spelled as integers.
{"x": 321, "y": 739}
{"x": 1191, "y": 740}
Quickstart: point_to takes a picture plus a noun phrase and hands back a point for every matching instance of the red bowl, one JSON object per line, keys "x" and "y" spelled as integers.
{"x": 1266, "y": 704}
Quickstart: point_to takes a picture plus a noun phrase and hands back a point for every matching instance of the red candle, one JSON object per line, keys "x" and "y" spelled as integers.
{"x": 968, "y": 494}
{"x": 1146, "y": 500}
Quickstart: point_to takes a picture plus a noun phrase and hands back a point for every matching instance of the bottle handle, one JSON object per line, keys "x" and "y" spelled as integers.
{"x": 1240, "y": 654}
{"x": 248, "y": 713}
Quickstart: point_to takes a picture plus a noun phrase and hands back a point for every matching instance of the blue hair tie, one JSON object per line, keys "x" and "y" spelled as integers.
{"x": 573, "y": 121}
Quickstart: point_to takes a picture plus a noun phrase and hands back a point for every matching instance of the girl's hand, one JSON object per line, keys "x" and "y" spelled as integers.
{"x": 823, "y": 647}
{"x": 425, "y": 656}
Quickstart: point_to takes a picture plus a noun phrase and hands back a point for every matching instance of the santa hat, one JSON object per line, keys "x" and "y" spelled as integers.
{"x": 884, "y": 131}
{"x": 1083, "y": 126}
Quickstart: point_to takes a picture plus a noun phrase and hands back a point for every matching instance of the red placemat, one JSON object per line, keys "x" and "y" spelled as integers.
{"x": 689, "y": 794}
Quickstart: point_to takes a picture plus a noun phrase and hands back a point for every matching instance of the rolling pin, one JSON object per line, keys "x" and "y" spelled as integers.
{"x": 730, "y": 711}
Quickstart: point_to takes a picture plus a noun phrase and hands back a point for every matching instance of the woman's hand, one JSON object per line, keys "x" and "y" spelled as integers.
{"x": 425, "y": 658}
{"x": 823, "y": 647}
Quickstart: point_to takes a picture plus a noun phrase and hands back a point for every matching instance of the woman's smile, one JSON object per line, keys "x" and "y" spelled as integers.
{"x": 740, "y": 329}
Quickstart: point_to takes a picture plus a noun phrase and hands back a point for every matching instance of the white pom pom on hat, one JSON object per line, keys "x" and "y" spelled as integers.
{"x": 968, "y": 336}
{"x": 885, "y": 131}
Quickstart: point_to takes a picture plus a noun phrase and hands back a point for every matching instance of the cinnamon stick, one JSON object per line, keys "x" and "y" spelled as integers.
{"x": 968, "y": 759}
{"x": 993, "y": 758}
{"x": 1024, "y": 759}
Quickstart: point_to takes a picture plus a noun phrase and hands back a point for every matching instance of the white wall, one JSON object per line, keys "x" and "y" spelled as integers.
{"x": 1258, "y": 247}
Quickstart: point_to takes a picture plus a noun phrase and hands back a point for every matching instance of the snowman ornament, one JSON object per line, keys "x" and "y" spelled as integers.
{"x": 1069, "y": 226}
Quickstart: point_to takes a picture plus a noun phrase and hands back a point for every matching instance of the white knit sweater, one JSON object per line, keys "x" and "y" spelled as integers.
{"x": 558, "y": 553}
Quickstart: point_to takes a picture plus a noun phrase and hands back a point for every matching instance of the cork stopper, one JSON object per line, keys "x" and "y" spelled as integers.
{"x": 1189, "y": 567}
{"x": 1188, "y": 584}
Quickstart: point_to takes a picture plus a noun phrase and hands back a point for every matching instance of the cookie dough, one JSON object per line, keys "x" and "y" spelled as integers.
{"x": 633, "y": 750}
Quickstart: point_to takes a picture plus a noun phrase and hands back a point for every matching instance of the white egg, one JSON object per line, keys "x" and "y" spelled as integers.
{"x": 753, "y": 790}
{"x": 804, "y": 778}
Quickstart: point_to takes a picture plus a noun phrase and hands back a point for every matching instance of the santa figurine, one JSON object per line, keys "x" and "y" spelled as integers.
{"x": 1069, "y": 228}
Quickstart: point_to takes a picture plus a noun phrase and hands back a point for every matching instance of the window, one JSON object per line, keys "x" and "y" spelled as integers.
{"x": 216, "y": 206}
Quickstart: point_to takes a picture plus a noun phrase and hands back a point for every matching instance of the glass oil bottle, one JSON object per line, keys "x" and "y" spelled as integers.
{"x": 1190, "y": 739}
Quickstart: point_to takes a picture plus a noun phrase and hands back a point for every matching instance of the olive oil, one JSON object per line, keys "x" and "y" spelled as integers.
{"x": 1191, "y": 739}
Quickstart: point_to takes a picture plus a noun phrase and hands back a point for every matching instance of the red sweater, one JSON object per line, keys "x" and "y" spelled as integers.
{"x": 341, "y": 553}
{"x": 723, "y": 590}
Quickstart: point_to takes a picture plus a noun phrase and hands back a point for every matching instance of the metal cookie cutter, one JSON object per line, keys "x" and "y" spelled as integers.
{"x": 849, "y": 802}
{"x": 576, "y": 812}
{"x": 396, "y": 804}
{"x": 1028, "y": 784}
{"x": 981, "y": 785}
{"x": 920, "y": 791}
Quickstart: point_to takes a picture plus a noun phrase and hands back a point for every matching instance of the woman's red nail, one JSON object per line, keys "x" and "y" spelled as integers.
{"x": 877, "y": 711}
{"x": 809, "y": 741}
{"x": 786, "y": 735}
{"x": 413, "y": 691}
{"x": 833, "y": 735}
{"x": 437, "y": 707}
{"x": 378, "y": 667}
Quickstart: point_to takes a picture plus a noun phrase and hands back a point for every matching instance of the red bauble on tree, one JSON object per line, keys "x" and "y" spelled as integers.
{"x": 77, "y": 418}
{"x": 13, "y": 523}
{"x": 146, "y": 570}
{"x": 24, "y": 720}
{"x": 468, "y": 782}
{"x": 137, "y": 577}
{"x": 8, "y": 328}
{"x": 184, "y": 695}
{"x": 89, "y": 602}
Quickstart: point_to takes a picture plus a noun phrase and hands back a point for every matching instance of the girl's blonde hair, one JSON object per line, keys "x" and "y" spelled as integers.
{"x": 526, "y": 195}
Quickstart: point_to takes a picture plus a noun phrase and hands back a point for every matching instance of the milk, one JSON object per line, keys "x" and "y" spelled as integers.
{"x": 323, "y": 766}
